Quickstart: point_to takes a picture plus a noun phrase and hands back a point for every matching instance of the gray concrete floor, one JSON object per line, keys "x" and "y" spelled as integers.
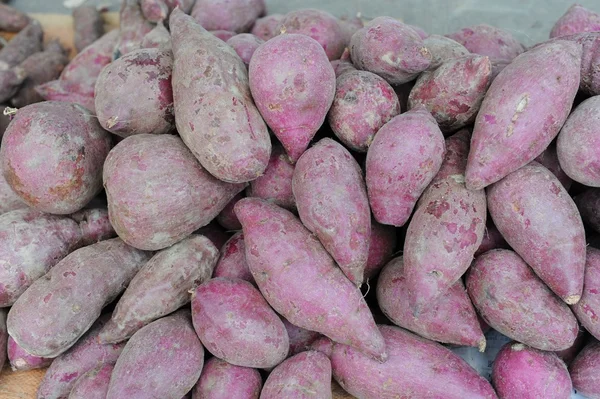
{"x": 529, "y": 20}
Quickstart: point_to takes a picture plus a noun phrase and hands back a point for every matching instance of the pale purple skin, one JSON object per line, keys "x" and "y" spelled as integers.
{"x": 416, "y": 368}
{"x": 578, "y": 143}
{"x": 159, "y": 37}
{"x": 32, "y": 242}
{"x": 216, "y": 116}
{"x": 40, "y": 68}
{"x": 52, "y": 155}
{"x": 227, "y": 217}
{"x": 215, "y": 233}
{"x": 57, "y": 309}
{"x": 588, "y": 204}
{"x": 223, "y": 35}
{"x": 515, "y": 302}
{"x": 585, "y": 371}
{"x": 549, "y": 159}
{"x": 446, "y": 229}
{"x": 233, "y": 15}
{"x": 236, "y": 324}
{"x": 23, "y": 361}
{"x": 523, "y": 111}
{"x": 577, "y": 19}
{"x": 451, "y": 319}
{"x": 404, "y": 157}
{"x": 77, "y": 81}
{"x": 3, "y": 337}
{"x": 275, "y": 185}
{"x": 222, "y": 380}
{"x": 9, "y": 200}
{"x": 443, "y": 49}
{"x": 266, "y": 27}
{"x": 420, "y": 31}
{"x": 12, "y": 20}
{"x": 158, "y": 10}
{"x": 93, "y": 384}
{"x": 293, "y": 85}
{"x": 381, "y": 249}
{"x": 340, "y": 67}
{"x": 306, "y": 375}
{"x": 300, "y": 338}
{"x": 483, "y": 39}
{"x": 84, "y": 356}
{"x": 453, "y": 92}
{"x": 133, "y": 26}
{"x": 350, "y": 26}
{"x": 323, "y": 345}
{"x": 363, "y": 103}
{"x": 540, "y": 221}
{"x": 587, "y": 309}
{"x": 27, "y": 42}
{"x": 492, "y": 239}
{"x": 147, "y": 73}
{"x": 232, "y": 263}
{"x": 88, "y": 26}
{"x": 520, "y": 372}
{"x": 162, "y": 360}
{"x": 390, "y": 49}
{"x": 590, "y": 74}
{"x": 136, "y": 182}
{"x": 569, "y": 354}
{"x": 301, "y": 281}
{"x": 245, "y": 44}
{"x": 161, "y": 286}
{"x": 332, "y": 203}
{"x": 319, "y": 25}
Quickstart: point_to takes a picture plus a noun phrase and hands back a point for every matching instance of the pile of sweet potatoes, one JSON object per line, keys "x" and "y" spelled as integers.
{"x": 213, "y": 202}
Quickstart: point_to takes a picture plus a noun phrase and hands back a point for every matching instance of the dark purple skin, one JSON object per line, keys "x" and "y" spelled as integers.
{"x": 88, "y": 26}
{"x": 25, "y": 43}
{"x": 588, "y": 204}
{"x": 3, "y": 337}
{"x": 11, "y": 19}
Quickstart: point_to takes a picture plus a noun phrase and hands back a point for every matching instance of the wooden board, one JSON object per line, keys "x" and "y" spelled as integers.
{"x": 24, "y": 384}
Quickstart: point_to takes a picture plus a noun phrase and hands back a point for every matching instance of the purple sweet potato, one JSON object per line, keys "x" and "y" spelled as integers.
{"x": 300, "y": 338}
{"x": 332, "y": 203}
{"x": 245, "y": 44}
{"x": 84, "y": 356}
{"x": 3, "y": 338}
{"x": 146, "y": 72}
{"x": 483, "y": 39}
{"x": 363, "y": 103}
{"x": 233, "y": 15}
{"x": 446, "y": 229}
{"x": 236, "y": 324}
{"x": 27, "y": 42}
{"x": 578, "y": 143}
{"x": 323, "y": 345}
{"x": 340, "y": 67}
{"x": 520, "y": 372}
{"x": 450, "y": 319}
{"x": 9, "y": 200}
{"x": 52, "y": 155}
{"x": 223, "y": 35}
{"x": 492, "y": 239}
{"x": 420, "y": 31}
{"x": 40, "y": 68}
{"x": 577, "y": 19}
{"x": 227, "y": 218}
{"x": 590, "y": 74}
{"x": 549, "y": 159}
{"x": 162, "y": 360}
{"x": 540, "y": 221}
{"x": 266, "y": 27}
{"x": 133, "y": 26}
{"x": 222, "y": 380}
{"x": 158, "y": 10}
{"x": 93, "y": 384}
{"x": 293, "y": 85}
{"x": 416, "y": 368}
{"x": 158, "y": 37}
{"x": 587, "y": 309}
{"x": 12, "y": 20}
{"x": 23, "y": 361}
{"x": 232, "y": 263}
{"x": 88, "y": 26}
{"x": 275, "y": 185}
{"x": 161, "y": 286}
{"x": 226, "y": 113}
{"x": 48, "y": 239}
{"x": 567, "y": 355}
{"x": 443, "y": 49}
{"x": 404, "y": 157}
{"x": 453, "y": 92}
{"x": 137, "y": 173}
{"x": 585, "y": 370}
{"x": 77, "y": 81}
{"x": 350, "y": 26}
{"x": 10, "y": 82}
{"x": 588, "y": 204}
{"x": 301, "y": 281}
{"x": 390, "y": 49}
{"x": 319, "y": 25}
{"x": 303, "y": 376}
{"x": 515, "y": 302}
{"x": 523, "y": 111}
{"x": 57, "y": 309}
{"x": 381, "y": 248}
